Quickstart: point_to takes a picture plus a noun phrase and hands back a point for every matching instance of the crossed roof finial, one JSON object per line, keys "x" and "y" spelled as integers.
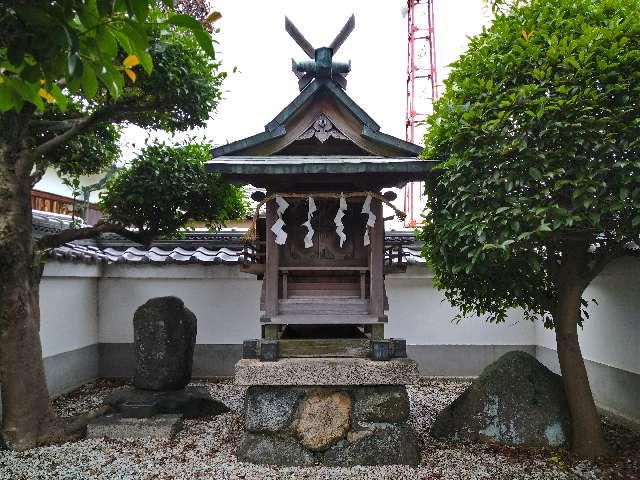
{"x": 321, "y": 64}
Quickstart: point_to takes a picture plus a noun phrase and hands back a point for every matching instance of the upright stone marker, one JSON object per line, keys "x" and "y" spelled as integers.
{"x": 164, "y": 336}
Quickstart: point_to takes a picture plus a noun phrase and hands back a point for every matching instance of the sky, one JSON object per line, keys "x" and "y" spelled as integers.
{"x": 252, "y": 39}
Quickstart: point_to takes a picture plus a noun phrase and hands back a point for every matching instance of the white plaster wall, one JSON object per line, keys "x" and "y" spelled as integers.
{"x": 420, "y": 313}
{"x": 226, "y": 304}
{"x": 52, "y": 183}
{"x": 224, "y": 300}
{"x": 85, "y": 304}
{"x": 68, "y": 308}
{"x": 612, "y": 333}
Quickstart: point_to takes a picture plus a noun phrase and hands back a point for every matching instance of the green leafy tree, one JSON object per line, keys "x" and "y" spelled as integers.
{"x": 166, "y": 188}
{"x": 539, "y": 188}
{"x": 72, "y": 72}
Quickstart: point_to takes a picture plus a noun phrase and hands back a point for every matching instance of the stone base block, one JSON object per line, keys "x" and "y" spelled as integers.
{"x": 326, "y": 371}
{"x": 336, "y": 426}
{"x": 192, "y": 402}
{"x": 162, "y": 427}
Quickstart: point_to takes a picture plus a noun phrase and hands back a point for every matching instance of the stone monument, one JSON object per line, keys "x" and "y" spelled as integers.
{"x": 164, "y": 339}
{"x": 325, "y": 385}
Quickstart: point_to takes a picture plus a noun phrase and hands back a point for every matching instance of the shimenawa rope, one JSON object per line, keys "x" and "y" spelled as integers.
{"x": 251, "y": 233}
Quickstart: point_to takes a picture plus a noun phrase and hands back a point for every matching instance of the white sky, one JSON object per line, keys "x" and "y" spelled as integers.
{"x": 252, "y": 38}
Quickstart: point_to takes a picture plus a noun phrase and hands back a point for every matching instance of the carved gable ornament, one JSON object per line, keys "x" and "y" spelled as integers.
{"x": 322, "y": 128}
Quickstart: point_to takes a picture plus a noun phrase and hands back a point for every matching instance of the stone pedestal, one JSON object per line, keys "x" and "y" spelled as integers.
{"x": 116, "y": 426}
{"x": 332, "y": 411}
{"x": 192, "y": 402}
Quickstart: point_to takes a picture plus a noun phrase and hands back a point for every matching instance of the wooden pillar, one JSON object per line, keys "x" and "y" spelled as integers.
{"x": 376, "y": 262}
{"x": 272, "y": 263}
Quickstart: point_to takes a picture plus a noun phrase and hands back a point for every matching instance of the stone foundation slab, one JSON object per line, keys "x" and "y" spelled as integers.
{"x": 192, "y": 402}
{"x": 326, "y": 371}
{"x": 162, "y": 427}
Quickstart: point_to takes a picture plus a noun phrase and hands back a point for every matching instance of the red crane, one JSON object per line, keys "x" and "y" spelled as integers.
{"x": 422, "y": 83}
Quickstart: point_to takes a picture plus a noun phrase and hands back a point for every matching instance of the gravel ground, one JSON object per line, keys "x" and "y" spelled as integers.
{"x": 205, "y": 449}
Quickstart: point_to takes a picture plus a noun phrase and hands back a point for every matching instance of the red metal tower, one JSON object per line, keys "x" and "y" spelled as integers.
{"x": 422, "y": 84}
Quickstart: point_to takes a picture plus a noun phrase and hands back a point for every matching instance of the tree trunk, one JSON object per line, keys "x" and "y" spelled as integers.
{"x": 27, "y": 418}
{"x": 586, "y": 432}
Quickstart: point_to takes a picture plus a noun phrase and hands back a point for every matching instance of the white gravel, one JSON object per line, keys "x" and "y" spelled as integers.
{"x": 205, "y": 449}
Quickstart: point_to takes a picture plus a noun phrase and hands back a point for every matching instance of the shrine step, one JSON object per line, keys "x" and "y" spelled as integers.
{"x": 318, "y": 289}
{"x": 323, "y": 300}
{"x": 324, "y": 306}
{"x": 324, "y": 293}
{"x": 319, "y": 319}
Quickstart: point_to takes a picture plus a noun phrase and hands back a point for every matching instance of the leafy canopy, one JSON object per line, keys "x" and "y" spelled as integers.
{"x": 51, "y": 50}
{"x": 73, "y": 72}
{"x": 167, "y": 187}
{"x": 539, "y": 133}
{"x": 179, "y": 93}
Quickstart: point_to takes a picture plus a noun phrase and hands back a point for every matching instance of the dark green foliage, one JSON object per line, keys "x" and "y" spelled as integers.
{"x": 185, "y": 84}
{"x": 539, "y": 131}
{"x": 166, "y": 187}
{"x": 89, "y": 153}
{"x": 84, "y": 154}
{"x": 179, "y": 93}
{"x": 51, "y": 50}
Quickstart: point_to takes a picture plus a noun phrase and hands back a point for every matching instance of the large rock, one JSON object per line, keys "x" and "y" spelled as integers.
{"x": 515, "y": 401}
{"x": 380, "y": 444}
{"x": 381, "y": 403}
{"x": 270, "y": 450}
{"x": 270, "y": 409}
{"x": 323, "y": 419}
{"x": 164, "y": 336}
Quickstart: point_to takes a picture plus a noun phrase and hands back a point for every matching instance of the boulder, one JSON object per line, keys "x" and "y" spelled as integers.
{"x": 270, "y": 409}
{"x": 164, "y": 337}
{"x": 515, "y": 401}
{"x": 380, "y": 444}
{"x": 381, "y": 403}
{"x": 323, "y": 419}
{"x": 264, "y": 449}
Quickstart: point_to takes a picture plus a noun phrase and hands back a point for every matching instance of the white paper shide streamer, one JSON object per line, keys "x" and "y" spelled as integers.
{"x": 371, "y": 219}
{"x": 338, "y": 220}
{"x": 281, "y": 235}
{"x": 308, "y": 238}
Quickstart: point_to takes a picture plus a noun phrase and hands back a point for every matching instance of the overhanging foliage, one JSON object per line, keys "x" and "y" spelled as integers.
{"x": 539, "y": 132}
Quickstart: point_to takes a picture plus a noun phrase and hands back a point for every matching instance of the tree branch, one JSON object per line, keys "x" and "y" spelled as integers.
{"x": 598, "y": 265}
{"x": 110, "y": 112}
{"x": 609, "y": 252}
{"x": 41, "y": 169}
{"x": 73, "y": 234}
{"x": 57, "y": 124}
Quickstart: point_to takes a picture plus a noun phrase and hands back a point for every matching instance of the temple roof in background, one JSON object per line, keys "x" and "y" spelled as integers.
{"x": 205, "y": 248}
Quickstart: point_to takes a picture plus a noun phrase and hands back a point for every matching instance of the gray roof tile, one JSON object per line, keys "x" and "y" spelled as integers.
{"x": 195, "y": 248}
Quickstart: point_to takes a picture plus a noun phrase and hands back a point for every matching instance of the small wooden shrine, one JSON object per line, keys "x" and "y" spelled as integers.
{"x": 319, "y": 251}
